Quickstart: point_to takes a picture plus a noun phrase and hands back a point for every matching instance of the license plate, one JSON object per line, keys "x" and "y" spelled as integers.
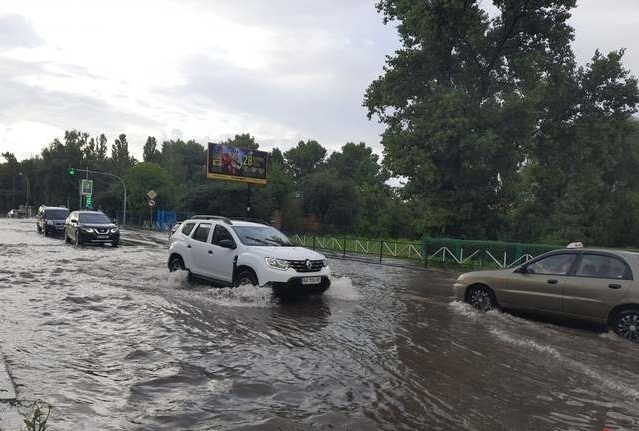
{"x": 311, "y": 280}
{"x": 103, "y": 236}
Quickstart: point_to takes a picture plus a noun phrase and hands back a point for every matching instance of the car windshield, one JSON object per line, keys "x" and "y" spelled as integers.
{"x": 97, "y": 218}
{"x": 262, "y": 235}
{"x": 56, "y": 214}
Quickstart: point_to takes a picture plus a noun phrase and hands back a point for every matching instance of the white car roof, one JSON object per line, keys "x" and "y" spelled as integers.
{"x": 220, "y": 221}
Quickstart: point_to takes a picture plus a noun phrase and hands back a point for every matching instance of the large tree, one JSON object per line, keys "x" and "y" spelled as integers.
{"x": 461, "y": 101}
{"x": 470, "y": 102}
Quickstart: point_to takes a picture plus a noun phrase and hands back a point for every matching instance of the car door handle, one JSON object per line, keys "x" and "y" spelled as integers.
{"x": 210, "y": 251}
{"x": 614, "y": 286}
{"x": 188, "y": 246}
{"x": 553, "y": 281}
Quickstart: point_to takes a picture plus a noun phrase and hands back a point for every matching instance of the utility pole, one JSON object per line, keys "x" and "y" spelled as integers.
{"x": 248, "y": 200}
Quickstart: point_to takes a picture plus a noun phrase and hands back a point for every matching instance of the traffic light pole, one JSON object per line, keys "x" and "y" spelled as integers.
{"x": 109, "y": 174}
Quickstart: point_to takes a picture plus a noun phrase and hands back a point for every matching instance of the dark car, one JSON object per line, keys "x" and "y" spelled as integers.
{"x": 50, "y": 220}
{"x": 91, "y": 227}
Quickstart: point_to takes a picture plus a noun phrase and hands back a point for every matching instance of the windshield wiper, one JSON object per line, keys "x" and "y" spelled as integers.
{"x": 257, "y": 239}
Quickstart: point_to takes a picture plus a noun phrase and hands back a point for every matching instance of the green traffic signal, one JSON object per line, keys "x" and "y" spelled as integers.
{"x": 71, "y": 171}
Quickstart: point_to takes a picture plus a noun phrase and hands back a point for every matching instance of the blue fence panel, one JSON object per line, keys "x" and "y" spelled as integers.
{"x": 164, "y": 220}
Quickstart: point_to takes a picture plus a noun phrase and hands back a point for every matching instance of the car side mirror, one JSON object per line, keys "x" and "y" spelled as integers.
{"x": 523, "y": 269}
{"x": 227, "y": 243}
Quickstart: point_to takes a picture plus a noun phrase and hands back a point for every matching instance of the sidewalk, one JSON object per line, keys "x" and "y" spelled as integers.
{"x": 10, "y": 418}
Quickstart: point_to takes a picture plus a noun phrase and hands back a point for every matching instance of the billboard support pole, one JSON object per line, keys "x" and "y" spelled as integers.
{"x": 248, "y": 200}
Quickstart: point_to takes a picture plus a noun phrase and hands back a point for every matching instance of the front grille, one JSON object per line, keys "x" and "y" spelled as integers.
{"x": 102, "y": 230}
{"x": 301, "y": 265}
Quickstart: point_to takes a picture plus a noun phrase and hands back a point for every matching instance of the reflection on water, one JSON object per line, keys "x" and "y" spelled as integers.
{"x": 115, "y": 342}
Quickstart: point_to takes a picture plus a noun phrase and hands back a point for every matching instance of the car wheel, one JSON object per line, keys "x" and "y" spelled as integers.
{"x": 115, "y": 244}
{"x": 176, "y": 264}
{"x": 481, "y": 297}
{"x": 626, "y": 324}
{"x": 245, "y": 277}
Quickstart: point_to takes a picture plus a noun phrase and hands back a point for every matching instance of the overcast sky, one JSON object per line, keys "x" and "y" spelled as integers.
{"x": 282, "y": 70}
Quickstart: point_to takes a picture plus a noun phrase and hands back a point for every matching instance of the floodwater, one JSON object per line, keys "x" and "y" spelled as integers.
{"x": 114, "y": 342}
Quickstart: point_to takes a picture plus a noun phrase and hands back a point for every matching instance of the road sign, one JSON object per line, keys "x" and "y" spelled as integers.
{"x": 89, "y": 201}
{"x": 86, "y": 187}
{"x": 151, "y": 194}
{"x": 151, "y": 203}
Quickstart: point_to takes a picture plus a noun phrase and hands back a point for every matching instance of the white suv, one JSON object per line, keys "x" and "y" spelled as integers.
{"x": 233, "y": 253}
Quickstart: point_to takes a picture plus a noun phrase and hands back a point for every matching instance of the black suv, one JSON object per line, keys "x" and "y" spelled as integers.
{"x": 94, "y": 227}
{"x": 50, "y": 220}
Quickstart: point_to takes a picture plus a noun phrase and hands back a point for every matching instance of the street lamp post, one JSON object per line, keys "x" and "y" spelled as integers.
{"x": 109, "y": 174}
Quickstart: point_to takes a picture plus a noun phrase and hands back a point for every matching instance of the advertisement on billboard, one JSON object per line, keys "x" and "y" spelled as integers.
{"x": 225, "y": 162}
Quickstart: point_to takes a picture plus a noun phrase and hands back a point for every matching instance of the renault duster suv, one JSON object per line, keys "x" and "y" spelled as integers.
{"x": 234, "y": 252}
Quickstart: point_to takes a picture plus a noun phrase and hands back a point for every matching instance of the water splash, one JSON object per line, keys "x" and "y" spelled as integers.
{"x": 342, "y": 288}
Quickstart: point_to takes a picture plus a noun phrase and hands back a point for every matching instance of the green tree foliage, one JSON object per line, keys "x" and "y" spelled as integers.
{"x": 186, "y": 161}
{"x": 243, "y": 140}
{"x": 358, "y": 163}
{"x": 488, "y": 118}
{"x": 331, "y": 199}
{"x": 150, "y": 153}
{"x": 146, "y": 176}
{"x": 121, "y": 160}
{"x": 281, "y": 188}
{"x": 305, "y": 158}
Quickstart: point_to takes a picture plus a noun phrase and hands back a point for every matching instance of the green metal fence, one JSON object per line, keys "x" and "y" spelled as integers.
{"x": 440, "y": 251}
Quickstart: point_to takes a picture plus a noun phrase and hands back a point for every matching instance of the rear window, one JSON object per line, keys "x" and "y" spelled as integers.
{"x": 202, "y": 232}
{"x": 187, "y": 228}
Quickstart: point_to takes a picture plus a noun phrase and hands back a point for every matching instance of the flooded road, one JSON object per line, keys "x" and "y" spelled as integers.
{"x": 115, "y": 342}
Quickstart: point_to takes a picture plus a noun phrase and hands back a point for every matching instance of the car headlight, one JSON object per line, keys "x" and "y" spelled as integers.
{"x": 114, "y": 230}
{"x": 50, "y": 222}
{"x": 277, "y": 263}
{"x": 88, "y": 229}
{"x": 324, "y": 263}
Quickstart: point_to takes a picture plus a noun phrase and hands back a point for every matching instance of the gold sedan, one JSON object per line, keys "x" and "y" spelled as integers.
{"x": 586, "y": 284}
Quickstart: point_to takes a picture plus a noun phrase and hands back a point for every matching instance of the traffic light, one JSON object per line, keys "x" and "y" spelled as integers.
{"x": 89, "y": 201}
{"x": 71, "y": 171}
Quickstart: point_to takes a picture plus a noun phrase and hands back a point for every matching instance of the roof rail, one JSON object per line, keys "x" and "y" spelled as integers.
{"x": 211, "y": 217}
{"x": 253, "y": 219}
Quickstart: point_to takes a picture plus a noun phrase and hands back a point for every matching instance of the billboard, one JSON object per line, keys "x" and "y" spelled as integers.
{"x": 225, "y": 162}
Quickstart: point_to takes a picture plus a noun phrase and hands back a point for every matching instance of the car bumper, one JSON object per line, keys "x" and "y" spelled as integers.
{"x": 459, "y": 291}
{"x": 295, "y": 286}
{"x": 87, "y": 237}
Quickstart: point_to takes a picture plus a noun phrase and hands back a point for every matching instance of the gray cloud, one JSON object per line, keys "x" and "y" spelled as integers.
{"x": 22, "y": 102}
{"x": 330, "y": 111}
